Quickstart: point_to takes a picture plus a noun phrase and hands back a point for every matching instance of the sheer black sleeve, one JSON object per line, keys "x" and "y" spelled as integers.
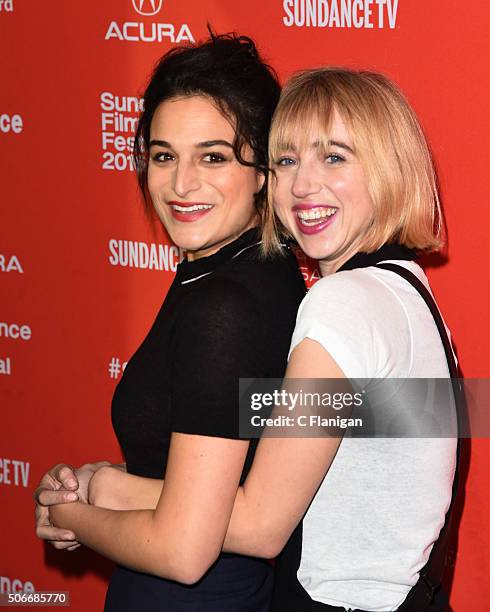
{"x": 218, "y": 339}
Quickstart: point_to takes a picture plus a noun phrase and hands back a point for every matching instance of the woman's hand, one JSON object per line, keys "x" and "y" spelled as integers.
{"x": 115, "y": 489}
{"x": 60, "y": 485}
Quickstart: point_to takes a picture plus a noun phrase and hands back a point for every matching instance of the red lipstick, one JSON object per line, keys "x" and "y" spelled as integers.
{"x": 189, "y": 211}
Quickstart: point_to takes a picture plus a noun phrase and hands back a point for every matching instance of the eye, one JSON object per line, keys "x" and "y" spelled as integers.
{"x": 162, "y": 156}
{"x": 285, "y": 161}
{"x": 214, "y": 158}
{"x": 334, "y": 158}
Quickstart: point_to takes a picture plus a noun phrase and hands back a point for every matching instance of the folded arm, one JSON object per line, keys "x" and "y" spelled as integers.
{"x": 285, "y": 475}
{"x": 180, "y": 539}
{"x": 286, "y": 472}
{"x": 216, "y": 339}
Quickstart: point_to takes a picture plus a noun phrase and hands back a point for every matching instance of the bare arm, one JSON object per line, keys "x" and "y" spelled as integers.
{"x": 181, "y": 538}
{"x": 184, "y": 535}
{"x": 285, "y": 475}
{"x": 118, "y": 490}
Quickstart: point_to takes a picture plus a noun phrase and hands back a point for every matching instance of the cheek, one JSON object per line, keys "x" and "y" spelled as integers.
{"x": 281, "y": 208}
{"x": 225, "y": 183}
{"x": 366, "y": 202}
{"x": 343, "y": 186}
{"x": 237, "y": 186}
{"x": 154, "y": 181}
{"x": 152, "y": 190}
{"x": 279, "y": 190}
{"x": 281, "y": 194}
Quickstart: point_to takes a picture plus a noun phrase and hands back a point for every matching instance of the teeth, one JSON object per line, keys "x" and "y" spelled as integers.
{"x": 315, "y": 213}
{"x": 190, "y": 209}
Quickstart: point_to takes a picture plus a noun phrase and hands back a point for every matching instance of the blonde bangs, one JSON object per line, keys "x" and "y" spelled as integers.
{"x": 303, "y": 116}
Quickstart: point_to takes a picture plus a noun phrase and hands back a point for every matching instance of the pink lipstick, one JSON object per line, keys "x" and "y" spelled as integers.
{"x": 313, "y": 218}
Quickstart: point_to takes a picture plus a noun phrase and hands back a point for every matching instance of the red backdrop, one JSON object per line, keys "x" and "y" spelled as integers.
{"x": 82, "y": 273}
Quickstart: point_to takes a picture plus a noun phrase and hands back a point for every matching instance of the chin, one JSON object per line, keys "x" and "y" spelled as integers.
{"x": 313, "y": 249}
{"x": 187, "y": 239}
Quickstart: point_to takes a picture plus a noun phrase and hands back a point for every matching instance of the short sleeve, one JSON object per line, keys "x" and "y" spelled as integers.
{"x": 218, "y": 339}
{"x": 358, "y": 321}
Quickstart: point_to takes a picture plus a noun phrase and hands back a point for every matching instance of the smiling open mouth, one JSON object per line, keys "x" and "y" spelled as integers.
{"x": 314, "y": 216}
{"x": 190, "y": 209}
{"x": 188, "y": 212}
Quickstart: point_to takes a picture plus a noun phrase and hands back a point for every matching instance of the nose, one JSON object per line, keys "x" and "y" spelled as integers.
{"x": 185, "y": 178}
{"x": 305, "y": 182}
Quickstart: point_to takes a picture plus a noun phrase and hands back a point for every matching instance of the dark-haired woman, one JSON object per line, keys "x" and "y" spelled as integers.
{"x": 201, "y": 155}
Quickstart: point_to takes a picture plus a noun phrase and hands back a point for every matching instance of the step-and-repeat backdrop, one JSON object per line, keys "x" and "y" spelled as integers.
{"x": 83, "y": 272}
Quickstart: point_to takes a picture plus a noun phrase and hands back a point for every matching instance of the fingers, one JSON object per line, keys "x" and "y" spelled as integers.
{"x": 57, "y": 486}
{"x": 48, "y": 497}
{"x": 54, "y": 534}
{"x": 49, "y": 491}
{"x": 65, "y": 475}
{"x": 65, "y": 545}
{"x": 62, "y": 539}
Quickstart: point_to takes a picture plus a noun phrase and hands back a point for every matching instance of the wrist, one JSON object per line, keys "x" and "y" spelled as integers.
{"x": 99, "y": 485}
{"x": 96, "y": 466}
{"x": 59, "y": 512}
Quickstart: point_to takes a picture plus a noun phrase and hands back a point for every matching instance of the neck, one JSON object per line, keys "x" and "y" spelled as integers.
{"x": 330, "y": 266}
{"x": 364, "y": 260}
{"x": 214, "y": 248}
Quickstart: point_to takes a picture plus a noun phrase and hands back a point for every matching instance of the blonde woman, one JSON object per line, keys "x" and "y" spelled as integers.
{"x": 355, "y": 186}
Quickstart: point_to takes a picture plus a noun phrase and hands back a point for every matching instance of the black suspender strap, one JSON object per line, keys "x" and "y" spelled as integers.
{"x": 430, "y": 578}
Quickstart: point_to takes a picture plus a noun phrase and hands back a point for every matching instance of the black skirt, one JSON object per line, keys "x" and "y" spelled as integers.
{"x": 233, "y": 584}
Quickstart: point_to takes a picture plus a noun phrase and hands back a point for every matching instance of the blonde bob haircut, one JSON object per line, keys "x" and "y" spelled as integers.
{"x": 388, "y": 142}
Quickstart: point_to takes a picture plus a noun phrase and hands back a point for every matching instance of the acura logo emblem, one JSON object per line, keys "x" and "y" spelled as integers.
{"x": 147, "y": 7}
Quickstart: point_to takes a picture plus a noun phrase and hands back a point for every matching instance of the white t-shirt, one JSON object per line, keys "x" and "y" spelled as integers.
{"x": 372, "y": 523}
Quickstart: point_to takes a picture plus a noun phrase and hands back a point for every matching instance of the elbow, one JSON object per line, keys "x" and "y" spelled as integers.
{"x": 261, "y": 540}
{"x": 195, "y": 566}
{"x": 271, "y": 551}
{"x": 186, "y": 568}
{"x": 268, "y": 547}
{"x": 267, "y": 539}
{"x": 190, "y": 575}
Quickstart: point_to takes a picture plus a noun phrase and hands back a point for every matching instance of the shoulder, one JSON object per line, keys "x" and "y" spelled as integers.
{"x": 273, "y": 283}
{"x": 218, "y": 296}
{"x": 275, "y": 270}
{"x": 360, "y": 319}
{"x": 345, "y": 303}
{"x": 366, "y": 286}
{"x": 350, "y": 291}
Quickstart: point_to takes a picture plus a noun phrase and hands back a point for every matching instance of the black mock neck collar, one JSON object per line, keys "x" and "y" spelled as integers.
{"x": 386, "y": 252}
{"x": 191, "y": 270}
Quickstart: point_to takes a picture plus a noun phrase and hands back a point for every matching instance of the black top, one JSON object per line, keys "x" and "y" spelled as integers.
{"x": 226, "y": 316}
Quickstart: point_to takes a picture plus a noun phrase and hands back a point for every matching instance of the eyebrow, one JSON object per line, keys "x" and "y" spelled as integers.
{"x": 200, "y": 145}
{"x": 289, "y": 146}
{"x": 336, "y": 143}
